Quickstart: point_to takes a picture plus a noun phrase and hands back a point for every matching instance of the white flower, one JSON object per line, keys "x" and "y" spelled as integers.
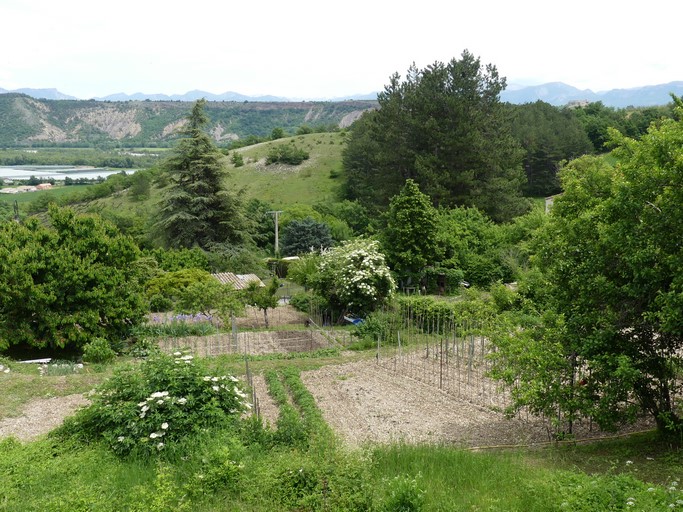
{"x": 215, "y": 388}
{"x": 214, "y": 379}
{"x": 164, "y": 425}
{"x": 153, "y": 435}
{"x": 142, "y": 414}
{"x": 120, "y": 439}
{"x": 182, "y": 400}
{"x": 160, "y": 446}
{"x": 6, "y": 370}
{"x": 161, "y": 401}
{"x": 207, "y": 378}
{"x": 142, "y": 404}
{"x": 629, "y": 462}
{"x": 233, "y": 378}
{"x": 177, "y": 353}
{"x": 187, "y": 358}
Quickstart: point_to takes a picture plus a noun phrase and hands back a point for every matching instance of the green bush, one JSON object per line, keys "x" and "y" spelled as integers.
{"x": 98, "y": 351}
{"x": 286, "y": 154}
{"x": 152, "y": 406}
{"x": 307, "y": 301}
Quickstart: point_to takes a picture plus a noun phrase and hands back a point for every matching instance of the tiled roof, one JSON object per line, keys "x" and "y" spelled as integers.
{"x": 239, "y": 281}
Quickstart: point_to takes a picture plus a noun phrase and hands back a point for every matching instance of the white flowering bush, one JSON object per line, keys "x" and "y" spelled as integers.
{"x": 354, "y": 277}
{"x": 149, "y": 407}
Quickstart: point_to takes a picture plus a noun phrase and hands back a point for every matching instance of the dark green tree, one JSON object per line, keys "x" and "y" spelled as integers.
{"x": 548, "y": 135}
{"x": 197, "y": 209}
{"x": 300, "y": 236}
{"x": 64, "y": 284}
{"x": 444, "y": 127}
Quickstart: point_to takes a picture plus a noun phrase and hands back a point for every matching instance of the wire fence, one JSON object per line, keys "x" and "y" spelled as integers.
{"x": 453, "y": 359}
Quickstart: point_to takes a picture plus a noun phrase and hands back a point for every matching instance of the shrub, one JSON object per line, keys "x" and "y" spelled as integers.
{"x": 152, "y": 406}
{"x": 286, "y": 154}
{"x": 98, "y": 351}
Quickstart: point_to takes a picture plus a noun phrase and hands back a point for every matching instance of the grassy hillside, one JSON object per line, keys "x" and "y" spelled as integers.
{"x": 317, "y": 179}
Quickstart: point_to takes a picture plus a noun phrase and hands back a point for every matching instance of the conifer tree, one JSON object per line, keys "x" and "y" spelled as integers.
{"x": 197, "y": 209}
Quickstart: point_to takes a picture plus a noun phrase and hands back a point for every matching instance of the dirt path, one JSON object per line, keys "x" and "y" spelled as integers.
{"x": 40, "y": 416}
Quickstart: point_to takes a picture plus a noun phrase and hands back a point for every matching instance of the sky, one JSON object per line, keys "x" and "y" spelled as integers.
{"x": 315, "y": 49}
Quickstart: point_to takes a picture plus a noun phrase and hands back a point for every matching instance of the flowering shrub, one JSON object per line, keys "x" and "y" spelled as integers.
{"x": 148, "y": 407}
{"x": 355, "y": 277}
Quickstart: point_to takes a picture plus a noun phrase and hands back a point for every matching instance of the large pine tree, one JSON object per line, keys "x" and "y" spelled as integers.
{"x": 445, "y": 128}
{"x": 197, "y": 209}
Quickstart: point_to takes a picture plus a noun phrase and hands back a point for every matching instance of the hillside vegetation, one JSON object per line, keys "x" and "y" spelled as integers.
{"x": 26, "y": 121}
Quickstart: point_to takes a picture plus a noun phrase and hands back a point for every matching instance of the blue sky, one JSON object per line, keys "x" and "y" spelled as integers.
{"x": 315, "y": 49}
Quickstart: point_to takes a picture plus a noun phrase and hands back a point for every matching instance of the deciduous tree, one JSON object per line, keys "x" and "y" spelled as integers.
{"x": 64, "y": 284}
{"x": 612, "y": 255}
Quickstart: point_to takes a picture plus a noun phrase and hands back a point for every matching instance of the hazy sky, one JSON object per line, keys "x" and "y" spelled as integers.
{"x": 317, "y": 49}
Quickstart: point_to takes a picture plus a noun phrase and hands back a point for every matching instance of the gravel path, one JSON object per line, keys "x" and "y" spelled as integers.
{"x": 40, "y": 416}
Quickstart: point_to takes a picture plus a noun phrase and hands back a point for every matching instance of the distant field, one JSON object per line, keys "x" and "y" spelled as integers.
{"x": 57, "y": 192}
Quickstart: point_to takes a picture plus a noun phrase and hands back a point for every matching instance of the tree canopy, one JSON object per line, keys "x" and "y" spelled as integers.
{"x": 410, "y": 239}
{"x": 612, "y": 259}
{"x": 64, "y": 284}
{"x": 197, "y": 208}
{"x": 444, "y": 127}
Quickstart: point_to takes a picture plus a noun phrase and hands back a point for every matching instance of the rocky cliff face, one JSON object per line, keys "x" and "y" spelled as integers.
{"x": 26, "y": 121}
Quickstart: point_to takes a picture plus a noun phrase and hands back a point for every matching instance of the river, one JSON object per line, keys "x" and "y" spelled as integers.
{"x": 57, "y": 172}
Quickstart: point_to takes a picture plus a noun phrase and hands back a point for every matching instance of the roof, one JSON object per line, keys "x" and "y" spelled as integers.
{"x": 239, "y": 281}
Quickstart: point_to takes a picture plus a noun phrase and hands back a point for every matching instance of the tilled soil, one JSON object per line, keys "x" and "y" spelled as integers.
{"x": 364, "y": 403}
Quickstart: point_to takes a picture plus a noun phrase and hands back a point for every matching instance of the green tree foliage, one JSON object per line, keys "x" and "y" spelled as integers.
{"x": 469, "y": 241}
{"x": 354, "y": 277}
{"x": 286, "y": 154}
{"x": 209, "y": 296}
{"x": 612, "y": 253}
{"x": 262, "y": 297}
{"x": 548, "y": 135}
{"x": 445, "y": 128}
{"x": 300, "y": 236}
{"x": 410, "y": 240}
{"x": 197, "y": 208}
{"x": 165, "y": 290}
{"x": 64, "y": 284}
{"x": 171, "y": 260}
{"x": 140, "y": 185}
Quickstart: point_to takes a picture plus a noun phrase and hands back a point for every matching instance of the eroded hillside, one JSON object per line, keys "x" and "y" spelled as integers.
{"x": 27, "y": 121}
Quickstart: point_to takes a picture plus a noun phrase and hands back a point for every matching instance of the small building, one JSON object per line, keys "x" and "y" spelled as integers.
{"x": 238, "y": 281}
{"x": 44, "y": 186}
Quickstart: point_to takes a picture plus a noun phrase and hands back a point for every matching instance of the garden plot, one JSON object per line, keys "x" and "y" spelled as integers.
{"x": 364, "y": 402}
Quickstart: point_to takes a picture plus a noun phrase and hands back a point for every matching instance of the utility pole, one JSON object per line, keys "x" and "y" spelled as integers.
{"x": 276, "y": 213}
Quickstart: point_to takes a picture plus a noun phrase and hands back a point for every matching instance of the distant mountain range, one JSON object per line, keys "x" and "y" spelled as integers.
{"x": 555, "y": 93}
{"x": 559, "y": 94}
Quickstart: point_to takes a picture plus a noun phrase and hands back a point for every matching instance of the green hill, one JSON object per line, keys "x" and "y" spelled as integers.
{"x": 319, "y": 178}
{"x": 26, "y": 121}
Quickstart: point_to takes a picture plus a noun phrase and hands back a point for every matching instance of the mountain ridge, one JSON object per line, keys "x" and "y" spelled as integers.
{"x": 554, "y": 93}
